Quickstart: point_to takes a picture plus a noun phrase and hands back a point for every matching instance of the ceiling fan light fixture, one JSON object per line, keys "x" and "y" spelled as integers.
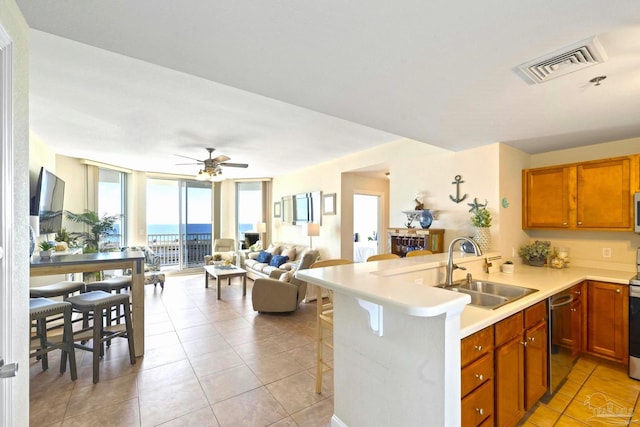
{"x": 210, "y": 174}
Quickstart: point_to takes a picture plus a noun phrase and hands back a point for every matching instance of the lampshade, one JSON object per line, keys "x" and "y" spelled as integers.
{"x": 262, "y": 227}
{"x": 313, "y": 229}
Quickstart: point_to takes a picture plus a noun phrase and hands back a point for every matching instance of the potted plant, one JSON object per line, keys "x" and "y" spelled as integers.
{"x": 45, "y": 249}
{"x": 481, "y": 220}
{"x": 99, "y": 228}
{"x": 535, "y": 253}
{"x": 508, "y": 267}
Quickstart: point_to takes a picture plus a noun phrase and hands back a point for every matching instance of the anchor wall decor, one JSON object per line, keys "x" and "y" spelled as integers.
{"x": 457, "y": 182}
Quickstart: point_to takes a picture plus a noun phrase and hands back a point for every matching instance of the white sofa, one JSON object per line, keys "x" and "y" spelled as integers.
{"x": 261, "y": 270}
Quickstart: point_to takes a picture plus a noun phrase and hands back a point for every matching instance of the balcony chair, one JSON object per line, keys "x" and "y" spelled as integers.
{"x": 282, "y": 292}
{"x": 419, "y": 252}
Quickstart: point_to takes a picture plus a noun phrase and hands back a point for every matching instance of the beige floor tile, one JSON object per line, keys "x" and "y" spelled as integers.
{"x": 196, "y": 332}
{"x": 166, "y": 375}
{"x": 229, "y": 383}
{"x": 559, "y": 402}
{"x": 570, "y": 388}
{"x": 161, "y": 405}
{"x": 89, "y": 398}
{"x": 49, "y": 406}
{"x": 296, "y": 392}
{"x": 202, "y": 418}
{"x": 255, "y": 408}
{"x": 276, "y": 367}
{"x": 543, "y": 416}
{"x": 318, "y": 415}
{"x": 567, "y": 421}
{"x": 210, "y": 363}
{"x": 204, "y": 345}
{"x": 121, "y": 414}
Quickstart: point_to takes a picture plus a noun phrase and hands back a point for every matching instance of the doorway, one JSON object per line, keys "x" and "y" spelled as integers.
{"x": 366, "y": 226}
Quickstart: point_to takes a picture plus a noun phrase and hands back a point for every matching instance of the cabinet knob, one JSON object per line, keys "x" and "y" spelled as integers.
{"x": 618, "y": 291}
{"x": 577, "y": 292}
{"x": 532, "y": 339}
{"x": 480, "y": 377}
{"x": 524, "y": 343}
{"x": 478, "y": 347}
{"x": 564, "y": 223}
{"x": 480, "y": 411}
{"x": 573, "y": 309}
{"x": 579, "y": 222}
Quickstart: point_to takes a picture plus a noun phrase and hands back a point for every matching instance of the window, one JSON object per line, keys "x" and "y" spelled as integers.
{"x": 248, "y": 207}
{"x": 112, "y": 201}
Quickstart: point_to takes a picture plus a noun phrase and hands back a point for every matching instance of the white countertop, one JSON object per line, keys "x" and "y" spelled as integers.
{"x": 407, "y": 285}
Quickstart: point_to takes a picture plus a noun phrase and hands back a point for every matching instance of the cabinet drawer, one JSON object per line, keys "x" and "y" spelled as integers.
{"x": 478, "y": 406}
{"x": 535, "y": 314}
{"x": 476, "y": 345}
{"x": 509, "y": 328}
{"x": 477, "y": 373}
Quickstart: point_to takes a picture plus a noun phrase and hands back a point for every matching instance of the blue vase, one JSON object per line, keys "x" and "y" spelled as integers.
{"x": 426, "y": 218}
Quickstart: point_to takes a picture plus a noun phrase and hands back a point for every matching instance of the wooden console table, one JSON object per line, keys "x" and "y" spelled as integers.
{"x": 430, "y": 238}
{"x": 83, "y": 263}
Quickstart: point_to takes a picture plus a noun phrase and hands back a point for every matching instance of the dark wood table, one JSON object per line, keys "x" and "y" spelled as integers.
{"x": 84, "y": 263}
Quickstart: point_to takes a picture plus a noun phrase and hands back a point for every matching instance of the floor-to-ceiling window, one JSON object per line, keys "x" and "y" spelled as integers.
{"x": 179, "y": 221}
{"x": 112, "y": 197}
{"x": 249, "y": 209}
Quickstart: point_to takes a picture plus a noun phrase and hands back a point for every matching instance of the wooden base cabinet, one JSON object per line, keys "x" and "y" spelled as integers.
{"x": 608, "y": 320}
{"x": 520, "y": 363}
{"x": 476, "y": 355}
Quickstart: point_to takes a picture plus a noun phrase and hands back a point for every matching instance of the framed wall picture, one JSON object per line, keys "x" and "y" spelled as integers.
{"x": 287, "y": 210}
{"x": 277, "y": 210}
{"x": 329, "y": 204}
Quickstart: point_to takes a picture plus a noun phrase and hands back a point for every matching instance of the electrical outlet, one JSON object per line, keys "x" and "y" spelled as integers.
{"x": 606, "y": 252}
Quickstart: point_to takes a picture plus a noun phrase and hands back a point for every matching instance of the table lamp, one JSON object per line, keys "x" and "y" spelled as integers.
{"x": 262, "y": 228}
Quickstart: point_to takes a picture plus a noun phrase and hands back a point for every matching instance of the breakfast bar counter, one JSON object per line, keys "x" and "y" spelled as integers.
{"x": 83, "y": 263}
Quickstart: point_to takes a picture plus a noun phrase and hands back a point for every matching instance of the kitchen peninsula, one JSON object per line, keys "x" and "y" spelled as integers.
{"x": 397, "y": 338}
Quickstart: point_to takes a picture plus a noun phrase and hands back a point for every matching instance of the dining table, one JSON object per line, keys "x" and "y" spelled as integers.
{"x": 93, "y": 262}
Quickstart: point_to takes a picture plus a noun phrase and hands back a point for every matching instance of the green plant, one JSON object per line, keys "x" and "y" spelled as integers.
{"x": 508, "y": 262}
{"x": 45, "y": 246}
{"x": 217, "y": 257}
{"x": 481, "y": 218}
{"x": 99, "y": 228}
{"x": 537, "y": 250}
{"x": 64, "y": 236}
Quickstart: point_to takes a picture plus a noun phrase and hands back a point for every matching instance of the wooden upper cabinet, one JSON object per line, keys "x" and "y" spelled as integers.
{"x": 592, "y": 195}
{"x": 604, "y": 194}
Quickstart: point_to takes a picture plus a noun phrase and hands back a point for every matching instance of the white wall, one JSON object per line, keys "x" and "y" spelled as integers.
{"x": 16, "y": 346}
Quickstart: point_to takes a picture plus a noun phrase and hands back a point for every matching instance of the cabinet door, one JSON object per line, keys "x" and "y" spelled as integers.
{"x": 535, "y": 363}
{"x": 546, "y": 197}
{"x": 604, "y": 194}
{"x": 607, "y": 320}
{"x": 509, "y": 382}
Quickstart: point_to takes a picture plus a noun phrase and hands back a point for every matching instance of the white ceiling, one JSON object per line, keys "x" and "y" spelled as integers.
{"x": 286, "y": 84}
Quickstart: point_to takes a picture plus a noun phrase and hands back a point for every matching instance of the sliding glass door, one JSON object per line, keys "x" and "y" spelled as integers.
{"x": 179, "y": 221}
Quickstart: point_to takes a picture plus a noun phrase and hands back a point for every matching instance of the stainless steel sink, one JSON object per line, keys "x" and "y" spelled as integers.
{"x": 490, "y": 295}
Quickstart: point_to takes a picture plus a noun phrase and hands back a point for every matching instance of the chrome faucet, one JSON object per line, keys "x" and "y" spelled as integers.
{"x": 450, "y": 265}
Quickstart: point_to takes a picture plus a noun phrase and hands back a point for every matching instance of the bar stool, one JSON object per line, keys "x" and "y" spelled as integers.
{"x": 111, "y": 285}
{"x": 95, "y": 303}
{"x": 60, "y": 289}
{"x": 39, "y": 310}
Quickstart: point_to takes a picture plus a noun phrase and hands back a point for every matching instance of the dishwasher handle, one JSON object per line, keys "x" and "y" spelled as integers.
{"x": 560, "y": 301}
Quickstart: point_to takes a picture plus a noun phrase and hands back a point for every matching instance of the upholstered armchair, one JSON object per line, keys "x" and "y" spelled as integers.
{"x": 152, "y": 274}
{"x": 224, "y": 245}
{"x": 282, "y": 291}
{"x": 223, "y": 250}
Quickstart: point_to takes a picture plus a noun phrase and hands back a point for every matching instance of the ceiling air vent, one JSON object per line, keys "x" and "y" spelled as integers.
{"x": 572, "y": 58}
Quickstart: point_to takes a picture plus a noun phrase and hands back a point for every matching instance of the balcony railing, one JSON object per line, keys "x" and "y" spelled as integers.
{"x": 167, "y": 246}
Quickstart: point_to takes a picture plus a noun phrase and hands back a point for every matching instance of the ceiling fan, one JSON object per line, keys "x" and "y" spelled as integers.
{"x": 212, "y": 170}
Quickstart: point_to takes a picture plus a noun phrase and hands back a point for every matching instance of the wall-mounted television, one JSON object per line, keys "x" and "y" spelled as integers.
{"x": 47, "y": 201}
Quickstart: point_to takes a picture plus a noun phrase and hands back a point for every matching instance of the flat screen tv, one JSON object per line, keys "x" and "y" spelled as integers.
{"x": 47, "y": 202}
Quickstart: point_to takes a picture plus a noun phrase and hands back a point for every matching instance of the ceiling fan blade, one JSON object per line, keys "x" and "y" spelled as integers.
{"x": 184, "y": 164}
{"x": 190, "y": 158}
{"x": 234, "y": 165}
{"x": 221, "y": 158}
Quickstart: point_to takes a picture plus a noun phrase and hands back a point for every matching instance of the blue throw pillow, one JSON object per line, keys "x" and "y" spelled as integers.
{"x": 263, "y": 256}
{"x": 278, "y": 260}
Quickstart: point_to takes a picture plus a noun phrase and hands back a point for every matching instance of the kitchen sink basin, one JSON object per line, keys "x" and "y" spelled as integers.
{"x": 490, "y": 295}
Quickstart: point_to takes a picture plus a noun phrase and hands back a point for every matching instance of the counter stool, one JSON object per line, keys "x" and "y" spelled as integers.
{"x": 39, "y": 310}
{"x": 96, "y": 303}
{"x": 114, "y": 284}
{"x": 60, "y": 289}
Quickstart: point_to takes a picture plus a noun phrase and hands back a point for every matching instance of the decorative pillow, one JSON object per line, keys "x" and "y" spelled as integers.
{"x": 290, "y": 252}
{"x": 273, "y": 249}
{"x": 286, "y": 277}
{"x": 263, "y": 256}
{"x": 278, "y": 260}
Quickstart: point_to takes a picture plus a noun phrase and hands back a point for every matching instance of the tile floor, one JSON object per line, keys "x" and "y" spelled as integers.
{"x": 207, "y": 362}
{"x": 596, "y": 393}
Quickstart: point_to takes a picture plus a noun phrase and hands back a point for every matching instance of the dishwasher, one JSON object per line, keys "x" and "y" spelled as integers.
{"x": 561, "y": 341}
